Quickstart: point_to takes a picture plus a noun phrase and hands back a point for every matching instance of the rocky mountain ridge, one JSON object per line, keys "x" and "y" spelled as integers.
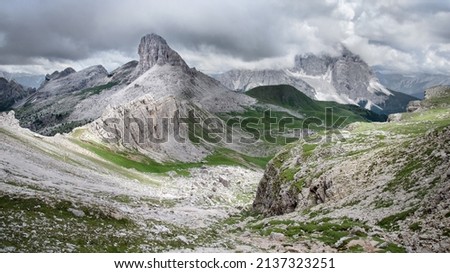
{"x": 68, "y": 99}
{"x": 346, "y": 79}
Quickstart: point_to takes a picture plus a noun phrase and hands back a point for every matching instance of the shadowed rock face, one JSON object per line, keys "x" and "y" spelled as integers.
{"x": 350, "y": 75}
{"x": 154, "y": 50}
{"x": 124, "y": 73}
{"x": 10, "y": 92}
{"x": 312, "y": 64}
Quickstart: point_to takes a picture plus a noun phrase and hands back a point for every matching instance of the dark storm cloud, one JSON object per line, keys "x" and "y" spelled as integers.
{"x": 221, "y": 33}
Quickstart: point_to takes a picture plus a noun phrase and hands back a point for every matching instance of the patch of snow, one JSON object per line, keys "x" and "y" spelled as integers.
{"x": 370, "y": 106}
{"x": 376, "y": 86}
{"x": 325, "y": 91}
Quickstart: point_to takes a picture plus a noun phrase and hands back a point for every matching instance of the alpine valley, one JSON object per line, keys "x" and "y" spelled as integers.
{"x": 156, "y": 156}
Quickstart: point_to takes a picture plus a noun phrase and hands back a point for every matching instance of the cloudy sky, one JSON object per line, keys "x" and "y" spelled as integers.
{"x": 214, "y": 36}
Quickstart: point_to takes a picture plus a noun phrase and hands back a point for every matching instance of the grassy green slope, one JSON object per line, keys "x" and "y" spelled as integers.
{"x": 289, "y": 97}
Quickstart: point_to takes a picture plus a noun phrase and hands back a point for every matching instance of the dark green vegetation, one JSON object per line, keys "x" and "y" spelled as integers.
{"x": 328, "y": 231}
{"x": 95, "y": 90}
{"x": 336, "y": 233}
{"x": 397, "y": 105}
{"x": 391, "y": 222}
{"x": 67, "y": 127}
{"x": 291, "y": 98}
{"x": 5, "y": 105}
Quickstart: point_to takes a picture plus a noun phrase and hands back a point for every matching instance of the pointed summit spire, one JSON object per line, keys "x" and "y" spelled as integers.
{"x": 154, "y": 50}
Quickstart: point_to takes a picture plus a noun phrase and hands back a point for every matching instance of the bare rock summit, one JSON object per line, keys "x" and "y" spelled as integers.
{"x": 154, "y": 50}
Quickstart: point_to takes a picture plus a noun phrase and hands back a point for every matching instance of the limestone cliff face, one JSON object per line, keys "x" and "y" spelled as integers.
{"x": 274, "y": 196}
{"x": 154, "y": 50}
{"x": 152, "y": 127}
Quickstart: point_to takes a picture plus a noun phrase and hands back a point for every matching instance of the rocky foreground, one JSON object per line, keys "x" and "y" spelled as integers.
{"x": 56, "y": 196}
{"x": 384, "y": 187}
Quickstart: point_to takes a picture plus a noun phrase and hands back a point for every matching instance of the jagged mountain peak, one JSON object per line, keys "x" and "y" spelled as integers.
{"x": 319, "y": 64}
{"x": 343, "y": 77}
{"x": 57, "y": 75}
{"x": 154, "y": 50}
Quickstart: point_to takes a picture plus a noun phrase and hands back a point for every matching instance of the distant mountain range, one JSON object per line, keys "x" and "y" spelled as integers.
{"x": 412, "y": 84}
{"x": 345, "y": 79}
{"x": 25, "y": 79}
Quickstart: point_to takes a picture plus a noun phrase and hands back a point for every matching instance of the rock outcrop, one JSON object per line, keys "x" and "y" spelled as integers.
{"x": 124, "y": 74}
{"x": 9, "y": 119}
{"x": 152, "y": 127}
{"x": 154, "y": 50}
{"x": 57, "y": 75}
{"x": 11, "y": 92}
{"x": 413, "y": 106}
{"x": 437, "y": 92}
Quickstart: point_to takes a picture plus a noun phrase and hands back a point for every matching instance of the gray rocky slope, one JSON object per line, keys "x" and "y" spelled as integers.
{"x": 383, "y": 188}
{"x": 346, "y": 79}
{"x": 69, "y": 99}
{"x": 58, "y": 196}
{"x": 392, "y": 179}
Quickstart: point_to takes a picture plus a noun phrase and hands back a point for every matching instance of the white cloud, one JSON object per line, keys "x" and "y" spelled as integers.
{"x": 406, "y": 35}
{"x": 109, "y": 59}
